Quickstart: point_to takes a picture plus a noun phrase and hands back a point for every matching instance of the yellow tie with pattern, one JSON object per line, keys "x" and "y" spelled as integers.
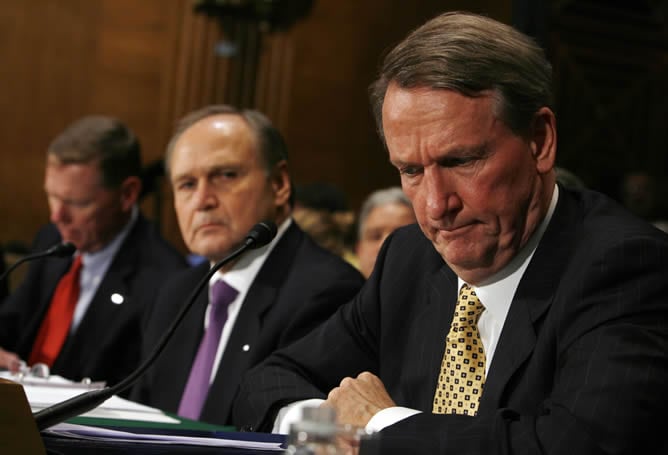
{"x": 463, "y": 367}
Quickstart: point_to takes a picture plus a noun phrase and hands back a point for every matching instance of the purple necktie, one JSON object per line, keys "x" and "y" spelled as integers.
{"x": 197, "y": 388}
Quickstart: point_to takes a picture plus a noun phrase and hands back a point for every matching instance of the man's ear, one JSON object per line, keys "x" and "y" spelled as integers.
{"x": 280, "y": 183}
{"x": 543, "y": 139}
{"x": 130, "y": 190}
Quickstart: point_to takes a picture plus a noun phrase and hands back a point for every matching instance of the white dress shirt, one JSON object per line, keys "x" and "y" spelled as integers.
{"x": 496, "y": 294}
{"x": 94, "y": 268}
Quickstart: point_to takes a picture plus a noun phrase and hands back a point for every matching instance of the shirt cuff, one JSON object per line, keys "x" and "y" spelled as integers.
{"x": 389, "y": 416}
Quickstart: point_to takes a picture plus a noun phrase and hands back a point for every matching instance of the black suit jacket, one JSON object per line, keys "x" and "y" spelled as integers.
{"x": 106, "y": 345}
{"x": 299, "y": 286}
{"x": 581, "y": 365}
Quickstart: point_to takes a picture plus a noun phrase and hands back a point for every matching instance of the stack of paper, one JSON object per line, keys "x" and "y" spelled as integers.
{"x": 45, "y": 392}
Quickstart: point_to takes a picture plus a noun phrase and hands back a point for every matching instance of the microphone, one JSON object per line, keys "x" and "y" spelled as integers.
{"x": 59, "y": 250}
{"x": 261, "y": 234}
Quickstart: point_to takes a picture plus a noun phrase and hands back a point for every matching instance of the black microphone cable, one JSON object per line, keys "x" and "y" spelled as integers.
{"x": 59, "y": 250}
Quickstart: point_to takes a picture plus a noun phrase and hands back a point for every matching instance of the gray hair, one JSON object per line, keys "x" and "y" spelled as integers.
{"x": 392, "y": 195}
{"x": 472, "y": 55}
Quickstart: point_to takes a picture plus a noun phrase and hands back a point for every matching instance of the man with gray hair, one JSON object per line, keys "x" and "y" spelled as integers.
{"x": 518, "y": 315}
{"x": 229, "y": 170}
{"x": 382, "y": 212}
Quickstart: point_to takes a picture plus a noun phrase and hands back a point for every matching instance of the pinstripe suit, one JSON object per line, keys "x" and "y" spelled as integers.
{"x": 581, "y": 366}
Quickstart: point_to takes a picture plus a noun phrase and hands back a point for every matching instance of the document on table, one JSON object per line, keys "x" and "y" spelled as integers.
{"x": 103, "y": 434}
{"x": 45, "y": 392}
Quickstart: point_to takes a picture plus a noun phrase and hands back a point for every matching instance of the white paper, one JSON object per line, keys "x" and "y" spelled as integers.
{"x": 42, "y": 393}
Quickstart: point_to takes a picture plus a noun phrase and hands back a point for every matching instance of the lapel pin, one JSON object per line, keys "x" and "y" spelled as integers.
{"x": 117, "y": 298}
{"x": 245, "y": 348}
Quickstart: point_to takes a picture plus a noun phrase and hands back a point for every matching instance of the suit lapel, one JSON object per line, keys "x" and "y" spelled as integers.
{"x": 168, "y": 382}
{"x": 53, "y": 271}
{"x": 442, "y": 298}
{"x": 240, "y": 350}
{"x": 238, "y": 353}
{"x": 531, "y": 301}
{"x": 184, "y": 346}
{"x": 116, "y": 282}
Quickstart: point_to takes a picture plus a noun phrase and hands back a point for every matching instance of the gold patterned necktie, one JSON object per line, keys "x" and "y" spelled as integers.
{"x": 462, "y": 374}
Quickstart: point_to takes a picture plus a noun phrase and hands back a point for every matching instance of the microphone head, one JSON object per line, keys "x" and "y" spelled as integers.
{"x": 62, "y": 250}
{"x": 261, "y": 234}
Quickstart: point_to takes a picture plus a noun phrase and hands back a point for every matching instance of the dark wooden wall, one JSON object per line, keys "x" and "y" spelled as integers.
{"x": 610, "y": 60}
{"x": 150, "y": 61}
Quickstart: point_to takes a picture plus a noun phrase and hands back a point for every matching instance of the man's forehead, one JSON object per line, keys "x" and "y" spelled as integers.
{"x": 220, "y": 125}
{"x": 74, "y": 170}
{"x": 73, "y": 180}
{"x": 216, "y": 131}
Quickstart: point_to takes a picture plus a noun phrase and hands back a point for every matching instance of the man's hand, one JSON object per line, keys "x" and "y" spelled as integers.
{"x": 9, "y": 360}
{"x": 357, "y": 400}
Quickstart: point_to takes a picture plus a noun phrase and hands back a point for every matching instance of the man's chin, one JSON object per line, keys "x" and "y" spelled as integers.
{"x": 213, "y": 253}
{"x": 463, "y": 255}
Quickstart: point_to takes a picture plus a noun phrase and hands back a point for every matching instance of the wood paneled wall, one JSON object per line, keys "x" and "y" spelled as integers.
{"x": 610, "y": 64}
{"x": 148, "y": 62}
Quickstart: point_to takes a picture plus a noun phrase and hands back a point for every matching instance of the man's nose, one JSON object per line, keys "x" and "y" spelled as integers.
{"x": 205, "y": 196}
{"x": 441, "y": 196}
{"x": 59, "y": 212}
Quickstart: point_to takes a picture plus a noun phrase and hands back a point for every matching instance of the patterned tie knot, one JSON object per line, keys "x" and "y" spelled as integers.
{"x": 468, "y": 309}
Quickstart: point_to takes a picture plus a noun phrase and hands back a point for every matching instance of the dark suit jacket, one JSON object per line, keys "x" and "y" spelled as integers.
{"x": 106, "y": 344}
{"x": 581, "y": 365}
{"x": 299, "y": 286}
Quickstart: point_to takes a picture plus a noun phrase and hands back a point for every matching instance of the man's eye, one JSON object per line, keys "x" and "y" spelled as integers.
{"x": 186, "y": 185}
{"x": 410, "y": 171}
{"x": 457, "y": 161}
{"x": 76, "y": 205}
{"x": 225, "y": 175}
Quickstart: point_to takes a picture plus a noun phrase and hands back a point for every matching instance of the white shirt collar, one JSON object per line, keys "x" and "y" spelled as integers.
{"x": 242, "y": 274}
{"x": 95, "y": 266}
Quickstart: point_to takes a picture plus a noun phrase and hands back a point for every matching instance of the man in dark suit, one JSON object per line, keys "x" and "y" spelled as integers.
{"x": 229, "y": 170}
{"x": 521, "y": 317}
{"x": 92, "y": 185}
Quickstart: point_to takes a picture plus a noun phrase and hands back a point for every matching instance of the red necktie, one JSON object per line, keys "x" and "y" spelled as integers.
{"x": 55, "y": 326}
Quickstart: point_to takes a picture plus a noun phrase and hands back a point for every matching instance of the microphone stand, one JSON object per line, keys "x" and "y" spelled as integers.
{"x": 59, "y": 250}
{"x": 86, "y": 401}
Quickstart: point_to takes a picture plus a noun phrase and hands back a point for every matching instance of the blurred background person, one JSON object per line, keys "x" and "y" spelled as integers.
{"x": 641, "y": 193}
{"x": 382, "y": 212}
{"x": 82, "y": 315}
{"x": 322, "y": 210}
